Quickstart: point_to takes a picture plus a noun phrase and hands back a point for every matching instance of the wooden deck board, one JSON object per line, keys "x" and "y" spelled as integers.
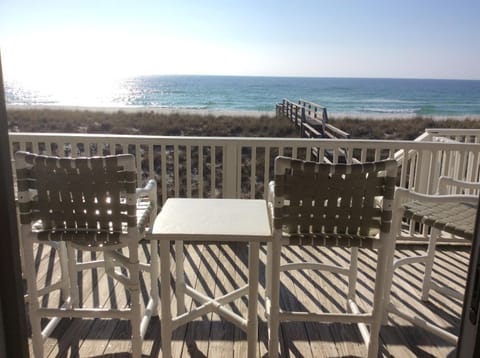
{"x": 232, "y": 277}
{"x": 294, "y": 334}
{"x": 198, "y": 331}
{"x": 221, "y": 340}
{"x": 212, "y": 336}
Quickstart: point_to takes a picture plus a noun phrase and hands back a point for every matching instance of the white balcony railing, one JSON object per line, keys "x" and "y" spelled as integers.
{"x": 455, "y": 134}
{"x": 242, "y": 167}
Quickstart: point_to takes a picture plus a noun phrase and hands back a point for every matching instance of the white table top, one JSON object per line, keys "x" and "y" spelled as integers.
{"x": 213, "y": 220}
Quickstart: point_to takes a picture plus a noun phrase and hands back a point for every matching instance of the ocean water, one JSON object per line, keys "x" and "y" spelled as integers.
{"x": 342, "y": 96}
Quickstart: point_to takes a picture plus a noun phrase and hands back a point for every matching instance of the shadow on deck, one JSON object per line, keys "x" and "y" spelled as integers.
{"x": 216, "y": 269}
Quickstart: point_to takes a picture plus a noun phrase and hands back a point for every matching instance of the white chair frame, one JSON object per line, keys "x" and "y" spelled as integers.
{"x": 144, "y": 201}
{"x": 383, "y": 242}
{"x": 403, "y": 196}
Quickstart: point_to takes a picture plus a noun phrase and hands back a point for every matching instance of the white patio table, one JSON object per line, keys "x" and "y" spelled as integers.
{"x": 209, "y": 220}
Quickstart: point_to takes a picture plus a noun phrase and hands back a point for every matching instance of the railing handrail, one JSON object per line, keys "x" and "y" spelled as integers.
{"x": 308, "y": 105}
{"x": 316, "y": 109}
{"x": 303, "y": 103}
{"x": 453, "y": 131}
{"x": 419, "y": 145}
{"x": 340, "y": 133}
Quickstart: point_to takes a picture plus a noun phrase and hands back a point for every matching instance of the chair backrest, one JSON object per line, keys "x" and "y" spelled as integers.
{"x": 336, "y": 199}
{"x": 65, "y": 197}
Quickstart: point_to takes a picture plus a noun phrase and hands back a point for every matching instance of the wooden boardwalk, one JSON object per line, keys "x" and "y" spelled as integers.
{"x": 310, "y": 118}
{"x": 215, "y": 269}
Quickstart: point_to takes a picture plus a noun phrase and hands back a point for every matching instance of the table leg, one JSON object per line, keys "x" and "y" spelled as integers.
{"x": 179, "y": 277}
{"x": 273, "y": 255}
{"x": 166, "y": 318}
{"x": 252, "y": 324}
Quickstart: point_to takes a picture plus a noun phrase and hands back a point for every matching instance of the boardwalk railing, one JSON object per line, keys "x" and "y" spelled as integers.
{"x": 310, "y": 118}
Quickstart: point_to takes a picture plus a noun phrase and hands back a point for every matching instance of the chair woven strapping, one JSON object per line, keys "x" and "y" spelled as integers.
{"x": 334, "y": 205}
{"x": 87, "y": 204}
{"x": 452, "y": 214}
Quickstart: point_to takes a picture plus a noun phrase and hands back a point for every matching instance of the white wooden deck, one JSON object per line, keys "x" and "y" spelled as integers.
{"x": 214, "y": 269}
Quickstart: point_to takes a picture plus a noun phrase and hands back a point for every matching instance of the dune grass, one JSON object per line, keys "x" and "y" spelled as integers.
{"x": 146, "y": 122}
{"x": 158, "y": 123}
{"x": 401, "y": 128}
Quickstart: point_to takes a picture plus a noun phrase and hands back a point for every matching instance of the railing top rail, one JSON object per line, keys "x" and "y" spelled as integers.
{"x": 453, "y": 131}
{"x": 286, "y": 100}
{"x": 337, "y": 131}
{"x": 252, "y": 141}
{"x": 424, "y": 137}
{"x": 314, "y": 105}
{"x": 303, "y": 103}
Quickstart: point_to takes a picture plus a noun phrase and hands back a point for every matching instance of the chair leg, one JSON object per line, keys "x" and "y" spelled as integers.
{"x": 35, "y": 319}
{"x": 427, "y": 277}
{"x": 352, "y": 274}
{"x": 134, "y": 289}
{"x": 63, "y": 258}
{"x": 154, "y": 275}
{"x": 381, "y": 278}
{"x": 274, "y": 309}
{"x": 166, "y": 318}
{"x": 73, "y": 276}
{"x": 268, "y": 276}
{"x": 390, "y": 252}
{"x": 20, "y": 246}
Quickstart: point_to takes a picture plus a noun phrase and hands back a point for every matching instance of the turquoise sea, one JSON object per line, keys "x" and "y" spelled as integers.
{"x": 344, "y": 96}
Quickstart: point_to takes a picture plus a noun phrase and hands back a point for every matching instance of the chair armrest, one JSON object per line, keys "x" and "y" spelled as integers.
{"x": 445, "y": 181}
{"x": 146, "y": 204}
{"x": 402, "y": 195}
{"x": 270, "y": 200}
{"x": 147, "y": 189}
{"x": 270, "y": 192}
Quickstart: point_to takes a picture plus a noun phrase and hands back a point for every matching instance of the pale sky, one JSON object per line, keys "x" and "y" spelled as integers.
{"x": 317, "y": 38}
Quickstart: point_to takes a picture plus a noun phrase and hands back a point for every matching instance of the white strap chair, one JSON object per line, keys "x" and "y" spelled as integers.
{"x": 452, "y": 214}
{"x": 87, "y": 204}
{"x": 333, "y": 205}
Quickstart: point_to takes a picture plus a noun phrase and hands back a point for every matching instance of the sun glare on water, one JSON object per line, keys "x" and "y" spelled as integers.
{"x": 75, "y": 73}
{"x": 89, "y": 69}
{"x": 71, "y": 90}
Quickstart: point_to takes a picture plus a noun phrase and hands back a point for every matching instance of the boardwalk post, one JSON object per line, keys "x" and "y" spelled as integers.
{"x": 294, "y": 115}
{"x": 324, "y": 120}
{"x": 302, "y": 127}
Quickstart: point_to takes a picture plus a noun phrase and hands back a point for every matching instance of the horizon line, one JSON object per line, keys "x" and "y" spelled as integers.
{"x": 129, "y": 76}
{"x": 303, "y": 76}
